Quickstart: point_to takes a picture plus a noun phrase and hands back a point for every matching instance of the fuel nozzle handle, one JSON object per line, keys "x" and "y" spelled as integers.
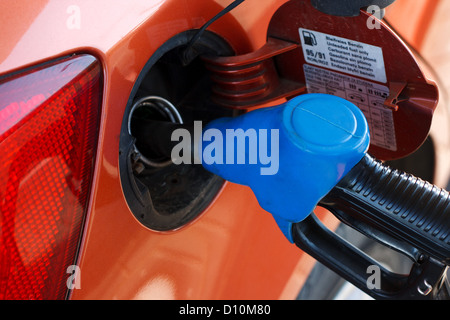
{"x": 396, "y": 209}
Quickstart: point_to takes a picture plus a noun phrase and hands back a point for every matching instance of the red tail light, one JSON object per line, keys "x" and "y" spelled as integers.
{"x": 49, "y": 118}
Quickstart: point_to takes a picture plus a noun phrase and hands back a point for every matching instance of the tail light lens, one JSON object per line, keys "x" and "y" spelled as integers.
{"x": 49, "y": 117}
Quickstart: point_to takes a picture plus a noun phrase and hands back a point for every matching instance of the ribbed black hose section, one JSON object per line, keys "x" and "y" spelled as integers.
{"x": 396, "y": 203}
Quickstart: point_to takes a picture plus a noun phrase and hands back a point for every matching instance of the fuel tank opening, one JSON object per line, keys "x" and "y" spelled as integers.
{"x": 145, "y": 110}
{"x": 163, "y": 196}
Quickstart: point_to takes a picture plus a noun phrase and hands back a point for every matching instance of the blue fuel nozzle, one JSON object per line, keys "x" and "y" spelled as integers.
{"x": 291, "y": 155}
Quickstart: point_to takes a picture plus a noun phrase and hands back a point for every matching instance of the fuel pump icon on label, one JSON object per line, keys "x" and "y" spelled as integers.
{"x": 309, "y": 38}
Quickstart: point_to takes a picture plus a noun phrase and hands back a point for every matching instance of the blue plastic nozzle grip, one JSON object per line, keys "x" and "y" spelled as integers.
{"x": 291, "y": 155}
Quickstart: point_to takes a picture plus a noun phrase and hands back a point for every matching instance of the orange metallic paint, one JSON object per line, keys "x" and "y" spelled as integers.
{"x": 412, "y": 19}
{"x": 234, "y": 250}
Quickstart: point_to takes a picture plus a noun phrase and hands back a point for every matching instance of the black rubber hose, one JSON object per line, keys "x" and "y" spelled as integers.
{"x": 396, "y": 203}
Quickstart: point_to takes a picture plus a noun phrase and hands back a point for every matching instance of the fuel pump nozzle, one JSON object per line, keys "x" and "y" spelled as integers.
{"x": 318, "y": 145}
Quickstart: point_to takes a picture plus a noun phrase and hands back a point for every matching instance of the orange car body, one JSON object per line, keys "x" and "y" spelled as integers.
{"x": 233, "y": 250}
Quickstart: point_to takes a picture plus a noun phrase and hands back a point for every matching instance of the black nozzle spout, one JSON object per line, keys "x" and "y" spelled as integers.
{"x": 154, "y": 138}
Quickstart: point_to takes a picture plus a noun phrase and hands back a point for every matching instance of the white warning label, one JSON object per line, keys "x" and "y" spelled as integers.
{"x": 368, "y": 96}
{"x": 344, "y": 55}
